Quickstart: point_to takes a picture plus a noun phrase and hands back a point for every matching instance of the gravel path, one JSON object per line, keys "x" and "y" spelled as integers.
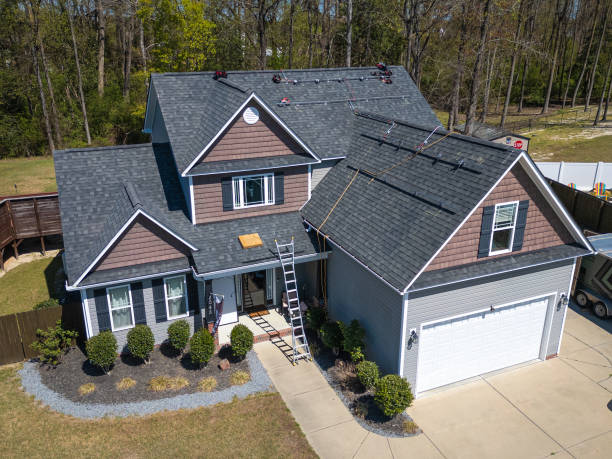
{"x": 32, "y": 384}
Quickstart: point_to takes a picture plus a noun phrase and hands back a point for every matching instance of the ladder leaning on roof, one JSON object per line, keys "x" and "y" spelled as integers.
{"x": 286, "y": 255}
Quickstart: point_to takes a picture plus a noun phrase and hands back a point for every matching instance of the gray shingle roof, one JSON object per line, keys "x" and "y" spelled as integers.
{"x": 486, "y": 131}
{"x": 395, "y": 223}
{"x": 136, "y": 271}
{"x": 239, "y": 165}
{"x": 195, "y": 106}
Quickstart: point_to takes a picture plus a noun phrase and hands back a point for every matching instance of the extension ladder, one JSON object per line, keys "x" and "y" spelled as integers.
{"x": 286, "y": 255}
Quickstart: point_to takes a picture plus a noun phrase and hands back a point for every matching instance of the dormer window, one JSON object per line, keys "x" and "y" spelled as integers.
{"x": 253, "y": 190}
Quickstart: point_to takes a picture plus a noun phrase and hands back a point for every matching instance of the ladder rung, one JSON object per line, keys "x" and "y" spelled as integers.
{"x": 297, "y": 308}
{"x": 290, "y": 280}
{"x": 302, "y": 345}
{"x": 289, "y": 272}
{"x": 292, "y": 290}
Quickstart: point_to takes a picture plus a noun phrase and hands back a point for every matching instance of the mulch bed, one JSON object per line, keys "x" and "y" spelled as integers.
{"x": 340, "y": 373}
{"x": 75, "y": 370}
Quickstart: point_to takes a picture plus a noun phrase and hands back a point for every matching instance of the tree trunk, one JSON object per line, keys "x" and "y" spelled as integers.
{"x": 349, "y": 31}
{"x": 605, "y": 113}
{"x": 572, "y": 61}
{"x": 553, "y": 66}
{"x": 143, "y": 51}
{"x": 586, "y": 58}
{"x": 517, "y": 35}
{"x": 101, "y": 44}
{"x": 594, "y": 71}
{"x": 291, "y": 15}
{"x": 475, "y": 86}
{"x": 603, "y": 93}
{"x": 485, "y": 100}
{"x": 127, "y": 69}
{"x": 453, "y": 115}
{"x": 43, "y": 101}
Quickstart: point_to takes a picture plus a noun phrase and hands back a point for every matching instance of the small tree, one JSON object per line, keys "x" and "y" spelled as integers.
{"x": 102, "y": 350}
{"x": 53, "y": 343}
{"x": 352, "y": 335}
{"x": 50, "y": 303}
{"x": 241, "y": 339}
{"x": 201, "y": 347}
{"x": 367, "y": 373}
{"x": 315, "y": 318}
{"x": 140, "y": 342}
{"x": 393, "y": 395}
{"x": 331, "y": 335}
{"x": 178, "y": 335}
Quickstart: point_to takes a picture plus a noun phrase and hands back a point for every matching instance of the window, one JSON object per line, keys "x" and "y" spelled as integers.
{"x": 253, "y": 190}
{"x": 120, "y": 305}
{"x": 175, "y": 289}
{"x": 504, "y": 223}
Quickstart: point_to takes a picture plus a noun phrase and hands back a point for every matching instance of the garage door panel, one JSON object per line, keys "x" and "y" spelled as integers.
{"x": 466, "y": 346}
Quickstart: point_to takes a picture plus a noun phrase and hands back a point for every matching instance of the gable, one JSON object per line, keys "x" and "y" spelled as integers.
{"x": 263, "y": 138}
{"x": 543, "y": 227}
{"x": 142, "y": 242}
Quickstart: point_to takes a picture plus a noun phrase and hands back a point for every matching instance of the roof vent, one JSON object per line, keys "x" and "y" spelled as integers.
{"x": 250, "y": 115}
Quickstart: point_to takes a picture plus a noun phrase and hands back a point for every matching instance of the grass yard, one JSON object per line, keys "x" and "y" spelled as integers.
{"x": 27, "y": 284}
{"x": 569, "y": 143}
{"x": 259, "y": 426}
{"x": 31, "y": 175}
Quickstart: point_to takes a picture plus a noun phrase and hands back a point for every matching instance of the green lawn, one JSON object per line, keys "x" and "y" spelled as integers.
{"x": 259, "y": 426}
{"x": 31, "y": 175}
{"x": 571, "y": 143}
{"x": 27, "y": 284}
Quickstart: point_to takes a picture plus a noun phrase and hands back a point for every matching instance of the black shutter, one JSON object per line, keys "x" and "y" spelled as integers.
{"x": 226, "y": 193}
{"x": 140, "y": 316}
{"x": 159, "y": 300}
{"x": 102, "y": 310}
{"x": 486, "y": 228}
{"x": 279, "y": 188}
{"x": 192, "y": 295}
{"x": 521, "y": 222}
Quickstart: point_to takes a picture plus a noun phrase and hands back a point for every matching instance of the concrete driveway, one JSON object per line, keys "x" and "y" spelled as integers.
{"x": 562, "y": 406}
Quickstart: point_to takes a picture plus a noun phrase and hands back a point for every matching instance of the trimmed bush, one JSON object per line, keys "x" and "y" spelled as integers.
{"x": 367, "y": 373}
{"x": 393, "y": 395}
{"x": 331, "y": 335}
{"x": 50, "y": 303}
{"x": 315, "y": 318}
{"x": 352, "y": 336}
{"x": 52, "y": 343}
{"x": 102, "y": 350}
{"x": 140, "y": 342}
{"x": 201, "y": 347}
{"x": 178, "y": 335}
{"x": 241, "y": 339}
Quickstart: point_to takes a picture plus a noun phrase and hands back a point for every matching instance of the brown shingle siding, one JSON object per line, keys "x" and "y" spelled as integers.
{"x": 543, "y": 229}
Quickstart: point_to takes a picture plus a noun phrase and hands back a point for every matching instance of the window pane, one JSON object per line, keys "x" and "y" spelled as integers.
{"x": 501, "y": 240}
{"x": 270, "y": 180}
{"x": 119, "y": 297}
{"x": 122, "y": 318}
{"x": 504, "y": 216}
{"x": 177, "y": 307}
{"x": 174, "y": 287}
{"x": 253, "y": 190}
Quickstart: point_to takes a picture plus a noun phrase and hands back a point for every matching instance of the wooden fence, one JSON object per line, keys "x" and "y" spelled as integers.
{"x": 18, "y": 331}
{"x": 27, "y": 216}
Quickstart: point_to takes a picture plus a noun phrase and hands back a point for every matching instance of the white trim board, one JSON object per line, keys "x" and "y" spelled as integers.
{"x": 269, "y": 111}
{"x": 267, "y": 168}
{"x": 192, "y": 199}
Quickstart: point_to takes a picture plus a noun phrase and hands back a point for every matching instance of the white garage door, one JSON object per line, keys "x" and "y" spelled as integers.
{"x": 466, "y": 346}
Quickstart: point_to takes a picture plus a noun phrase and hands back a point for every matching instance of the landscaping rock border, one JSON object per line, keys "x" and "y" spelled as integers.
{"x": 33, "y": 385}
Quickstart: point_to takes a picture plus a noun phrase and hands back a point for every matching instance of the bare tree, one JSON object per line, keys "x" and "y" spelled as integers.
{"x": 349, "y": 31}
{"x": 594, "y": 71}
{"x": 531, "y": 26}
{"x": 603, "y": 93}
{"x": 515, "y": 53}
{"x": 586, "y": 57}
{"x": 101, "y": 44}
{"x": 560, "y": 14}
{"x": 575, "y": 41}
{"x": 263, "y": 12}
{"x": 453, "y": 114}
{"x": 128, "y": 36}
{"x": 43, "y": 101}
{"x": 485, "y": 99}
{"x": 604, "y": 117}
{"x": 291, "y": 17}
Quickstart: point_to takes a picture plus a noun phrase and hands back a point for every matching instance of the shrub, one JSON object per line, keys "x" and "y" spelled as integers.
{"x": 140, "y": 342}
{"x": 50, "y": 303}
{"x": 352, "y": 336}
{"x": 202, "y": 347}
{"x": 331, "y": 335}
{"x": 125, "y": 383}
{"x": 357, "y": 355}
{"x": 367, "y": 373}
{"x": 160, "y": 383}
{"x": 241, "y": 339}
{"x": 238, "y": 378}
{"x": 207, "y": 384}
{"x": 361, "y": 408}
{"x": 410, "y": 427}
{"x": 53, "y": 342}
{"x": 102, "y": 350}
{"x": 316, "y": 317}
{"x": 393, "y": 395}
{"x": 87, "y": 388}
{"x": 178, "y": 335}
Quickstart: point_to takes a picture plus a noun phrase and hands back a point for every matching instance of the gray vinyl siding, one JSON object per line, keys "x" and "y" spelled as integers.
{"x": 160, "y": 330}
{"x": 355, "y": 293}
{"x": 465, "y": 297}
{"x": 319, "y": 171}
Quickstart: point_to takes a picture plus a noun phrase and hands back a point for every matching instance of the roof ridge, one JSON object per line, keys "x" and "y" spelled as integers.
{"x": 105, "y": 147}
{"x": 247, "y": 72}
{"x": 132, "y": 194}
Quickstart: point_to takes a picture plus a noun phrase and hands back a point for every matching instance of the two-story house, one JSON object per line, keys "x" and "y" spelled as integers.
{"x": 451, "y": 251}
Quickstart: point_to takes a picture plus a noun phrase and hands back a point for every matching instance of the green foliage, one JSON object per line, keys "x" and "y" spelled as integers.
{"x": 53, "y": 342}
{"x": 102, "y": 350}
{"x": 352, "y": 336}
{"x": 357, "y": 354}
{"x": 316, "y": 317}
{"x": 50, "y": 303}
{"x": 201, "y": 347}
{"x": 331, "y": 334}
{"x": 393, "y": 395}
{"x": 367, "y": 373}
{"x": 140, "y": 342}
{"x": 178, "y": 334}
{"x": 241, "y": 339}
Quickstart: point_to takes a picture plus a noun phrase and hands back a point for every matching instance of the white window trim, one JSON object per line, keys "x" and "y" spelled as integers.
{"x": 509, "y": 249}
{"x": 110, "y": 307}
{"x": 240, "y": 203}
{"x": 168, "y": 316}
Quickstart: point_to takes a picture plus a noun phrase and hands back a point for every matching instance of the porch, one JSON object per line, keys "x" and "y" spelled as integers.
{"x": 265, "y": 325}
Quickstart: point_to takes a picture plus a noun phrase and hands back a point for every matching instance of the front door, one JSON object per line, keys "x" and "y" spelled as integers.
{"x": 253, "y": 290}
{"x": 225, "y": 286}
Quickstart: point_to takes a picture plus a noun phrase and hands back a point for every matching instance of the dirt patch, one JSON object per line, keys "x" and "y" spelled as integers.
{"x": 76, "y": 371}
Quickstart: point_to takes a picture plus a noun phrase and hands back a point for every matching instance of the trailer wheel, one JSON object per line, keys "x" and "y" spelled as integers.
{"x": 581, "y": 299}
{"x": 600, "y": 310}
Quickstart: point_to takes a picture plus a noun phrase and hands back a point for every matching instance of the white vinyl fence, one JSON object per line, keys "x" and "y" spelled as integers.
{"x": 584, "y": 175}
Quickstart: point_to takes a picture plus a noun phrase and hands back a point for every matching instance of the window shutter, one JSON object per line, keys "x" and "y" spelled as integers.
{"x": 521, "y": 222}
{"x": 192, "y": 294}
{"x": 226, "y": 193}
{"x": 279, "y": 188}
{"x": 140, "y": 316}
{"x": 486, "y": 228}
{"x": 159, "y": 300}
{"x": 102, "y": 310}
